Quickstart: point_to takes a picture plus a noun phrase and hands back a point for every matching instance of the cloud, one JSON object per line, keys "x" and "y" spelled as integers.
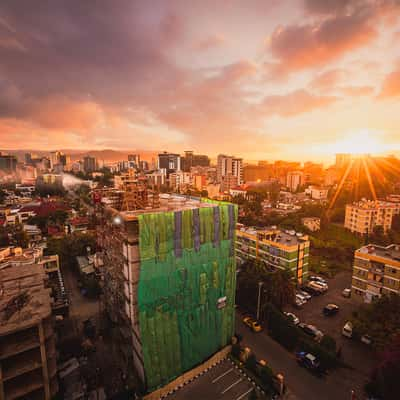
{"x": 355, "y": 91}
{"x": 327, "y": 79}
{"x": 391, "y": 85}
{"x": 327, "y": 6}
{"x": 209, "y": 42}
{"x": 299, "y": 47}
{"x": 294, "y": 103}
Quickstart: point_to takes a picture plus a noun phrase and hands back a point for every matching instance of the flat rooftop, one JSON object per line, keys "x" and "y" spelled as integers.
{"x": 372, "y": 204}
{"x": 24, "y": 300}
{"x": 170, "y": 203}
{"x": 273, "y": 234}
{"x": 391, "y": 252}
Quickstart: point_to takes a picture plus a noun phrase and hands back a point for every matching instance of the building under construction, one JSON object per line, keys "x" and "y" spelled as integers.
{"x": 27, "y": 341}
{"x": 169, "y": 274}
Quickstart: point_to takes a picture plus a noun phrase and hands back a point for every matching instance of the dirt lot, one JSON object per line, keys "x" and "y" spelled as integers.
{"x": 357, "y": 355}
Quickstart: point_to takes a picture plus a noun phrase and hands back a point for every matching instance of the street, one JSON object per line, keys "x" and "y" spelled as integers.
{"x": 301, "y": 382}
{"x": 339, "y": 383}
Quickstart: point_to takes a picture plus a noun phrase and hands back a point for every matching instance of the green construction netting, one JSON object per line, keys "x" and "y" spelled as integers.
{"x": 187, "y": 264}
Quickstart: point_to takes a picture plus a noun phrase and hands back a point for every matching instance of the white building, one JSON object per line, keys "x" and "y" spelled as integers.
{"x": 230, "y": 166}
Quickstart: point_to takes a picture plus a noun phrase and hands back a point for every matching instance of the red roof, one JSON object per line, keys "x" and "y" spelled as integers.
{"x": 79, "y": 221}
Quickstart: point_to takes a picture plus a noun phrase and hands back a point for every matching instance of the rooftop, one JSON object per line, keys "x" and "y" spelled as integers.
{"x": 372, "y": 204}
{"x": 391, "y": 252}
{"x": 24, "y": 300}
{"x": 273, "y": 234}
{"x": 169, "y": 202}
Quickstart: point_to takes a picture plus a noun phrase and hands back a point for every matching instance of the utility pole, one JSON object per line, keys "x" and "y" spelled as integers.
{"x": 259, "y": 299}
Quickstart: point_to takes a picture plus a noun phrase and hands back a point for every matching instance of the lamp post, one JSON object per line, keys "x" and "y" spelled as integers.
{"x": 259, "y": 299}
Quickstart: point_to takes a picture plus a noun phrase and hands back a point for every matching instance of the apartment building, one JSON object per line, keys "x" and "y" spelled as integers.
{"x": 376, "y": 271}
{"x": 294, "y": 179}
{"x": 363, "y": 216}
{"x": 277, "y": 249}
{"x": 169, "y": 284}
{"x": 229, "y": 166}
{"x": 28, "y": 367}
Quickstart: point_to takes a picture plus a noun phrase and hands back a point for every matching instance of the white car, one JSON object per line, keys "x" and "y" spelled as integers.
{"x": 305, "y": 294}
{"x": 292, "y": 317}
{"x": 301, "y": 297}
{"x": 321, "y": 284}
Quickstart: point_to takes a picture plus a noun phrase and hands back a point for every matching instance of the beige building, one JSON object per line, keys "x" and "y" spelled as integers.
{"x": 363, "y": 216}
{"x": 28, "y": 367}
{"x": 376, "y": 271}
{"x": 275, "y": 248}
{"x": 312, "y": 223}
{"x": 294, "y": 179}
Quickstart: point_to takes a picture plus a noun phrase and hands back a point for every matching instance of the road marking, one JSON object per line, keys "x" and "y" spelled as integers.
{"x": 244, "y": 394}
{"x": 231, "y": 386}
{"x": 221, "y": 376}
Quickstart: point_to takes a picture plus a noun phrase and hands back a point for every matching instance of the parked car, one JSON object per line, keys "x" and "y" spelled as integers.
{"x": 292, "y": 317}
{"x": 301, "y": 297}
{"x": 311, "y": 330}
{"x": 330, "y": 309}
{"x": 298, "y": 302}
{"x": 309, "y": 361}
{"x": 304, "y": 294}
{"x": 366, "y": 339}
{"x": 252, "y": 324}
{"x": 311, "y": 290}
{"x": 321, "y": 284}
{"x": 317, "y": 279}
{"x": 316, "y": 287}
{"x": 346, "y": 292}
{"x": 348, "y": 329}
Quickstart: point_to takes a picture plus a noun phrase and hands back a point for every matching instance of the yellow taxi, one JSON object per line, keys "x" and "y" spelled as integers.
{"x": 252, "y": 324}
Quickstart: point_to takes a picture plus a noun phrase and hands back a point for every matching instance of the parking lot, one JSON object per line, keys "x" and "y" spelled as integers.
{"x": 224, "y": 381}
{"x": 356, "y": 354}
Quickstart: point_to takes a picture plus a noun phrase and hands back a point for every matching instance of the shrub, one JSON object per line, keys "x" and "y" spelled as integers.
{"x": 251, "y": 363}
{"x": 329, "y": 343}
{"x": 236, "y": 350}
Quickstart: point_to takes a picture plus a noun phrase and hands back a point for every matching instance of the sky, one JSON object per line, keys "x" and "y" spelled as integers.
{"x": 261, "y": 79}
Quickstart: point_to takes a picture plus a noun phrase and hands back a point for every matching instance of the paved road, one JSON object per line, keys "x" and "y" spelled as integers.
{"x": 224, "y": 381}
{"x": 302, "y": 383}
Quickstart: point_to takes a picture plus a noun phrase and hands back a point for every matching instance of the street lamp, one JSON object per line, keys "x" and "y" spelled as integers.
{"x": 259, "y": 299}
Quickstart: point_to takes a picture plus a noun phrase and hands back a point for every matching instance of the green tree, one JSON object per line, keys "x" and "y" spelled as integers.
{"x": 251, "y": 363}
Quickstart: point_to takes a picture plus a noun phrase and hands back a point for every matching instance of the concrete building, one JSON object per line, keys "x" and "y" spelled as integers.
{"x": 169, "y": 162}
{"x": 8, "y": 163}
{"x": 317, "y": 193}
{"x": 275, "y": 248}
{"x": 28, "y": 367}
{"x": 229, "y": 166}
{"x": 312, "y": 223}
{"x": 363, "y": 216}
{"x": 169, "y": 275}
{"x": 294, "y": 179}
{"x": 89, "y": 164}
{"x": 376, "y": 271}
{"x": 194, "y": 160}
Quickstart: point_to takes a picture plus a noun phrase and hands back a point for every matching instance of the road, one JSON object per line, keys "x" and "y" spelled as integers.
{"x": 302, "y": 383}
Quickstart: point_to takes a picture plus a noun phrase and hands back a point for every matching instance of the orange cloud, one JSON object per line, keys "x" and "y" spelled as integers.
{"x": 294, "y": 103}
{"x": 327, "y": 79}
{"x": 391, "y": 85}
{"x": 355, "y": 91}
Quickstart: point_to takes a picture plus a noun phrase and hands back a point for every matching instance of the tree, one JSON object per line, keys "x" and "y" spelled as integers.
{"x": 380, "y": 320}
{"x": 253, "y": 395}
{"x": 384, "y": 382}
{"x": 251, "y": 363}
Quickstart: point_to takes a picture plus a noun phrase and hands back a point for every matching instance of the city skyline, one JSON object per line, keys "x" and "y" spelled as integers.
{"x": 256, "y": 83}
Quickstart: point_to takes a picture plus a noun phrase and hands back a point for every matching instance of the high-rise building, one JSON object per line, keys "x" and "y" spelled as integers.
{"x": 294, "y": 180}
{"x": 364, "y": 215}
{"x": 28, "y": 368}
{"x": 89, "y": 164}
{"x": 194, "y": 160}
{"x": 229, "y": 165}
{"x": 376, "y": 272}
{"x": 169, "y": 276}
{"x": 170, "y": 162}
{"x": 8, "y": 163}
{"x": 276, "y": 249}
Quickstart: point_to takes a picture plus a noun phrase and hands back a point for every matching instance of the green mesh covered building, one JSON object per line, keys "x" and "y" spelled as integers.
{"x": 171, "y": 276}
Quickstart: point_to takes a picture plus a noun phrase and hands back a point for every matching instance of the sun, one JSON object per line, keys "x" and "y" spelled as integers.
{"x": 361, "y": 142}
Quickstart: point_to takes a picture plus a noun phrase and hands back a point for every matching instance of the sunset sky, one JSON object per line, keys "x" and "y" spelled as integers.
{"x": 295, "y": 79}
